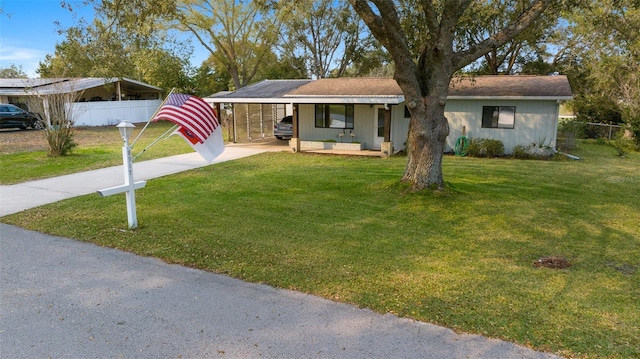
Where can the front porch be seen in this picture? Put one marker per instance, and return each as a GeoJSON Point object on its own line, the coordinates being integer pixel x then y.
{"type": "Point", "coordinates": [276, 145]}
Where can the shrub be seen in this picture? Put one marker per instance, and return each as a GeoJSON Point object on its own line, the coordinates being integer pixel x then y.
{"type": "Point", "coordinates": [621, 143]}
{"type": "Point", "coordinates": [474, 149]}
{"type": "Point", "coordinates": [485, 147]}
{"type": "Point", "coordinates": [568, 132]}
{"type": "Point", "coordinates": [494, 148]}
{"type": "Point", "coordinates": [532, 152]}
{"type": "Point", "coordinates": [58, 118]}
{"type": "Point", "coordinates": [521, 152]}
{"type": "Point", "coordinates": [60, 138]}
{"type": "Point", "coordinates": [601, 141]}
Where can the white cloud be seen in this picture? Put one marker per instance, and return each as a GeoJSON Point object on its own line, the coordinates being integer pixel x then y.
{"type": "Point", "coordinates": [26, 58]}
{"type": "Point", "coordinates": [11, 53]}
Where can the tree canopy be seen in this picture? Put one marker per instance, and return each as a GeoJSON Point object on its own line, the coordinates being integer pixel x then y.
{"type": "Point", "coordinates": [240, 35]}
{"type": "Point", "coordinates": [330, 38]}
{"type": "Point", "coordinates": [123, 41]}
{"type": "Point", "coordinates": [12, 71]}
{"type": "Point", "coordinates": [605, 60]}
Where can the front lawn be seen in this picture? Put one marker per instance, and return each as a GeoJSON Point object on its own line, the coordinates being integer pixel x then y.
{"type": "Point", "coordinates": [344, 228]}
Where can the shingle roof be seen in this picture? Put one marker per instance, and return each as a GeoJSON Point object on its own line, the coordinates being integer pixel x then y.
{"type": "Point", "coordinates": [349, 86]}
{"type": "Point", "coordinates": [511, 86]}
{"type": "Point", "coordinates": [480, 86]}
{"type": "Point", "coordinates": [386, 90]}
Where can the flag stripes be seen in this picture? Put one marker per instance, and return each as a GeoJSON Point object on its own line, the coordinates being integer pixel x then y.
{"type": "Point", "coordinates": [191, 113]}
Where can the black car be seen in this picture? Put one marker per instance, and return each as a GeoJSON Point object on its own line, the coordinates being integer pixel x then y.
{"type": "Point", "coordinates": [14, 117]}
{"type": "Point", "coordinates": [284, 128]}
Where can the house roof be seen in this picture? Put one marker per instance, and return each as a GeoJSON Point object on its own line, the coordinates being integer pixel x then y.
{"type": "Point", "coordinates": [367, 90]}
{"type": "Point", "coordinates": [386, 90]}
{"type": "Point", "coordinates": [512, 87]}
{"type": "Point", "coordinates": [349, 86]}
{"type": "Point", "coordinates": [267, 91]}
{"type": "Point", "coordinates": [20, 87]}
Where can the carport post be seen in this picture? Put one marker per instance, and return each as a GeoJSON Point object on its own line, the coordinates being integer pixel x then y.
{"type": "Point", "coordinates": [294, 142]}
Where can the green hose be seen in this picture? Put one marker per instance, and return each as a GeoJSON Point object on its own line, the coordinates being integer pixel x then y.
{"type": "Point", "coordinates": [462, 145]}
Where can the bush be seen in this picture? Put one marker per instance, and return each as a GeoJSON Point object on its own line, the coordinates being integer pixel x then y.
{"type": "Point", "coordinates": [568, 132]}
{"type": "Point", "coordinates": [622, 144]}
{"type": "Point", "coordinates": [521, 152]}
{"type": "Point", "coordinates": [58, 119]}
{"type": "Point", "coordinates": [532, 152]}
{"type": "Point", "coordinates": [485, 147]}
{"type": "Point", "coordinates": [60, 138]}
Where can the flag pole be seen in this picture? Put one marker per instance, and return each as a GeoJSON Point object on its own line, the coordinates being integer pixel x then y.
{"type": "Point", "coordinates": [154, 115]}
{"type": "Point", "coordinates": [155, 141]}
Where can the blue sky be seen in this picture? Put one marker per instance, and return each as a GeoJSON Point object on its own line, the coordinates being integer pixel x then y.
{"type": "Point", "coordinates": [28, 31]}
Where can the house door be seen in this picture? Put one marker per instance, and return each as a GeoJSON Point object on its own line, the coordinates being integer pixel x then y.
{"type": "Point", "coordinates": [378, 127]}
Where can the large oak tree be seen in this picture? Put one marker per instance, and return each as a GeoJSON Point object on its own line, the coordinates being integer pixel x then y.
{"type": "Point", "coordinates": [421, 36]}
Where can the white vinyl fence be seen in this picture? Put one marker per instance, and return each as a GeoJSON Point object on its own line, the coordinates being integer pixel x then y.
{"type": "Point", "coordinates": [110, 113]}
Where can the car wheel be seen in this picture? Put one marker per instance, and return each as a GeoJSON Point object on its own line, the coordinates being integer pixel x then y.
{"type": "Point", "coordinates": [37, 125]}
{"type": "Point", "coordinates": [278, 137]}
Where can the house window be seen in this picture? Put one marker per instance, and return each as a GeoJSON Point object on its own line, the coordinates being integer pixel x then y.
{"type": "Point", "coordinates": [498, 116]}
{"type": "Point", "coordinates": [334, 116]}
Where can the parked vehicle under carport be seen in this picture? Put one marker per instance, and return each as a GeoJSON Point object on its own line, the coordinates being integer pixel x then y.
{"type": "Point", "coordinates": [283, 130]}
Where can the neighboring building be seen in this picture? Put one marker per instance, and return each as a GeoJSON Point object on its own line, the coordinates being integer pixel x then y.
{"type": "Point", "coordinates": [371, 111]}
{"type": "Point", "coordinates": [100, 102]}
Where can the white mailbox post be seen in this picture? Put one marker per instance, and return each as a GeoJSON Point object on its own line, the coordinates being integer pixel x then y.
{"type": "Point", "coordinates": [129, 187]}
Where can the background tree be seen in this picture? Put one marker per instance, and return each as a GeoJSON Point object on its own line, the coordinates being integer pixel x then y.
{"type": "Point", "coordinates": [12, 72]}
{"type": "Point", "coordinates": [420, 35]}
{"type": "Point", "coordinates": [330, 38]}
{"type": "Point", "coordinates": [123, 40]}
{"type": "Point", "coordinates": [211, 77]}
{"type": "Point", "coordinates": [526, 48]}
{"type": "Point", "coordinates": [606, 62]}
{"type": "Point", "coordinates": [160, 68]}
{"type": "Point", "coordinates": [239, 34]}
{"type": "Point", "coordinates": [89, 51]}
{"type": "Point", "coordinates": [281, 67]}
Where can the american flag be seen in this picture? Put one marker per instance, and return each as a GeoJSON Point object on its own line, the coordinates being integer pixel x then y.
{"type": "Point", "coordinates": [194, 116]}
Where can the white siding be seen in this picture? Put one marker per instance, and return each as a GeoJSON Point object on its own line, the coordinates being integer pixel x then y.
{"type": "Point", "coordinates": [362, 126]}
{"type": "Point", "coordinates": [535, 121]}
{"type": "Point", "coordinates": [399, 128]}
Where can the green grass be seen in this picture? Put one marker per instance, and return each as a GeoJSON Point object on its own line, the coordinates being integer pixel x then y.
{"type": "Point", "coordinates": [104, 152]}
{"type": "Point", "coordinates": [344, 228]}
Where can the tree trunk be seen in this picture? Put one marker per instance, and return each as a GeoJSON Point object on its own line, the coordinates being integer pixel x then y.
{"type": "Point", "coordinates": [426, 89]}
{"type": "Point", "coordinates": [428, 131]}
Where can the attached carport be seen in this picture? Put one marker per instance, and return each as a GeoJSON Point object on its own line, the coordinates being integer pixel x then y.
{"type": "Point", "coordinates": [251, 112]}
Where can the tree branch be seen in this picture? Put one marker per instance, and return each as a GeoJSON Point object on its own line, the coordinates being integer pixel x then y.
{"type": "Point", "coordinates": [430, 15]}
{"type": "Point", "coordinates": [464, 58]}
